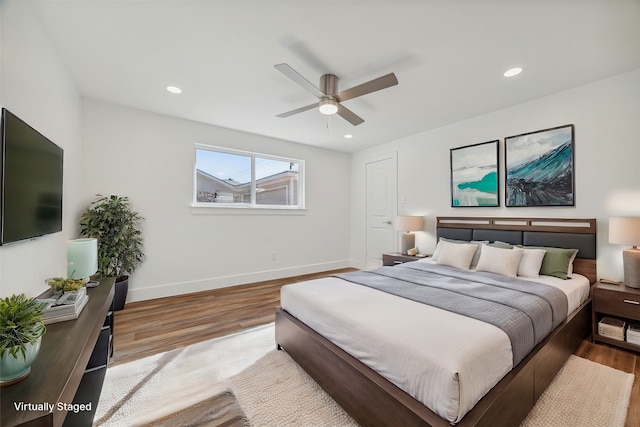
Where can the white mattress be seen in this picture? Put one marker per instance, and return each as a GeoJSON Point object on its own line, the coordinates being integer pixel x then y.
{"type": "Point", "coordinates": [445, 360]}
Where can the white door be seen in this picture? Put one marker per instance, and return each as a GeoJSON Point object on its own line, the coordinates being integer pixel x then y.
{"type": "Point", "coordinates": [381, 207]}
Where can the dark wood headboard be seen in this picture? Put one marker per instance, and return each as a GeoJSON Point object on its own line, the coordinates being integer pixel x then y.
{"type": "Point", "coordinates": [571, 233]}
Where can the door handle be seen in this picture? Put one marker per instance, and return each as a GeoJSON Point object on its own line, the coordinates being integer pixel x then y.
{"type": "Point", "coordinates": [387, 222]}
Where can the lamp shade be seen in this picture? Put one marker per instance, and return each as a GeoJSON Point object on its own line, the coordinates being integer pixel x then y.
{"type": "Point", "coordinates": [82, 258]}
{"type": "Point", "coordinates": [624, 230]}
{"type": "Point", "coordinates": [409, 223]}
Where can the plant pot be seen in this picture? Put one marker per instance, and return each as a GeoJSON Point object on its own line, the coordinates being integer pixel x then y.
{"type": "Point", "coordinates": [13, 370]}
{"type": "Point", "coordinates": [120, 297]}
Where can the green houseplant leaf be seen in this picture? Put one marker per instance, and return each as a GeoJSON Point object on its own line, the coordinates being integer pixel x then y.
{"type": "Point", "coordinates": [20, 324]}
{"type": "Point", "coordinates": [111, 220]}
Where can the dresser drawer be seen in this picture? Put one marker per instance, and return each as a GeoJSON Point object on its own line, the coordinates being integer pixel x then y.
{"type": "Point", "coordinates": [617, 303]}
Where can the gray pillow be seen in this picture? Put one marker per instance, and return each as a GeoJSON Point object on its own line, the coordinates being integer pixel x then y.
{"type": "Point", "coordinates": [501, 245]}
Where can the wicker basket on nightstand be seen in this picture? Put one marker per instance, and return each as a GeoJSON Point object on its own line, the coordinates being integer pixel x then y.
{"type": "Point", "coordinates": [612, 328]}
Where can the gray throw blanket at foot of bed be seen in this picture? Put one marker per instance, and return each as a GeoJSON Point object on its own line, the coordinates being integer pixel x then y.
{"type": "Point", "coordinates": [526, 311]}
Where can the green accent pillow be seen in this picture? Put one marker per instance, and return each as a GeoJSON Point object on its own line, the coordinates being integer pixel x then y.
{"type": "Point", "coordinates": [556, 261]}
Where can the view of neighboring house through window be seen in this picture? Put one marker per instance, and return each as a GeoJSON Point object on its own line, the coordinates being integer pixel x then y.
{"type": "Point", "coordinates": [233, 177]}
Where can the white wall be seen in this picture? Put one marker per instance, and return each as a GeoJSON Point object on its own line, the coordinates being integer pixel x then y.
{"type": "Point", "coordinates": [36, 87]}
{"type": "Point", "coordinates": [149, 158]}
{"type": "Point", "coordinates": [110, 149]}
{"type": "Point", "coordinates": [606, 115]}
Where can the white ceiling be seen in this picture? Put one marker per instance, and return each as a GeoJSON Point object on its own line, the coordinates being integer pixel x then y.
{"type": "Point", "coordinates": [449, 57]}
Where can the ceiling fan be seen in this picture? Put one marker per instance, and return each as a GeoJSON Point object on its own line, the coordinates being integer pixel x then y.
{"type": "Point", "coordinates": [330, 101]}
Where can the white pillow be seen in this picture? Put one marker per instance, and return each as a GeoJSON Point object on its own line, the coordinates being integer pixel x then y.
{"type": "Point", "coordinates": [573, 258]}
{"type": "Point", "coordinates": [476, 257]}
{"type": "Point", "coordinates": [436, 252]}
{"type": "Point", "coordinates": [500, 261]}
{"type": "Point", "coordinates": [531, 262]}
{"type": "Point", "coordinates": [458, 255]}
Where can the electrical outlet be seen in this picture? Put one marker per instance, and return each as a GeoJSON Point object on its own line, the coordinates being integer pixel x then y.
{"type": "Point", "coordinates": [274, 256]}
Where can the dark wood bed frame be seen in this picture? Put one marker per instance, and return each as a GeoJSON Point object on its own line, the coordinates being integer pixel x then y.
{"type": "Point", "coordinates": [374, 401]}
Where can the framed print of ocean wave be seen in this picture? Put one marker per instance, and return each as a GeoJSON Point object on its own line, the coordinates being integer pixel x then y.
{"type": "Point", "coordinates": [474, 175]}
{"type": "Point", "coordinates": [540, 168]}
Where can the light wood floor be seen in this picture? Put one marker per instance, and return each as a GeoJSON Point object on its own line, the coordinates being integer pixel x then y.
{"type": "Point", "coordinates": [149, 327]}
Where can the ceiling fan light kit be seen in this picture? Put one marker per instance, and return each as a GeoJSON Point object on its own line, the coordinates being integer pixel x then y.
{"type": "Point", "coordinates": [329, 97]}
{"type": "Point", "coordinates": [328, 106]}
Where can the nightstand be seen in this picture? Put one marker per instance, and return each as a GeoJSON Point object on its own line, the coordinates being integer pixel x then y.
{"type": "Point", "coordinates": [617, 301]}
{"type": "Point", "coordinates": [398, 258]}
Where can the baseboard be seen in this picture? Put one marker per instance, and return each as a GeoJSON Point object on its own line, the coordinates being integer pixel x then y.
{"type": "Point", "coordinates": [172, 289]}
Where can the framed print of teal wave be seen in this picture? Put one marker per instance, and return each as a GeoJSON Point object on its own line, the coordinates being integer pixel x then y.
{"type": "Point", "coordinates": [474, 175]}
{"type": "Point", "coordinates": [540, 168]}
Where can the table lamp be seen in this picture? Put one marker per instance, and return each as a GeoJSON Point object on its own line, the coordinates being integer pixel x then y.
{"type": "Point", "coordinates": [408, 224]}
{"type": "Point", "coordinates": [626, 231]}
{"type": "Point", "coordinates": [82, 259]}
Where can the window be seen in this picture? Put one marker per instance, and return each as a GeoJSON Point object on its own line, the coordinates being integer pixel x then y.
{"type": "Point", "coordinates": [228, 178]}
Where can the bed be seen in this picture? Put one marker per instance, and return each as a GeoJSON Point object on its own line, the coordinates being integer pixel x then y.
{"type": "Point", "coordinates": [365, 368]}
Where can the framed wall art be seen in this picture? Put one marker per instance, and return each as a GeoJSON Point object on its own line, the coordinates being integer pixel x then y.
{"type": "Point", "coordinates": [474, 175]}
{"type": "Point", "coordinates": [540, 168]}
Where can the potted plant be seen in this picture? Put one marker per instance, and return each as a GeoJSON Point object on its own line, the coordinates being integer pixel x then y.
{"type": "Point", "coordinates": [21, 331]}
{"type": "Point", "coordinates": [111, 220]}
{"type": "Point", "coordinates": [62, 285]}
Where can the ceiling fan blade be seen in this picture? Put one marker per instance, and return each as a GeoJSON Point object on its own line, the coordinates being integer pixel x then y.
{"type": "Point", "coordinates": [368, 87]}
{"type": "Point", "coordinates": [298, 110]}
{"type": "Point", "coordinates": [297, 77]}
{"type": "Point", "coordinates": [349, 115]}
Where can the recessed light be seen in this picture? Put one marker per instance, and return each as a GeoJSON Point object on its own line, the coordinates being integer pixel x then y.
{"type": "Point", "coordinates": [348, 136]}
{"type": "Point", "coordinates": [513, 72]}
{"type": "Point", "coordinates": [174, 89]}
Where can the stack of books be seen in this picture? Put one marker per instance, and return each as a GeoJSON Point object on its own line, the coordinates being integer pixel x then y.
{"type": "Point", "coordinates": [68, 306]}
{"type": "Point", "coordinates": [633, 333]}
{"type": "Point", "coordinates": [612, 328]}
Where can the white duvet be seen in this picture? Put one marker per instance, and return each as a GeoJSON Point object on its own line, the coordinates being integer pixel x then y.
{"type": "Point", "coordinates": [445, 360]}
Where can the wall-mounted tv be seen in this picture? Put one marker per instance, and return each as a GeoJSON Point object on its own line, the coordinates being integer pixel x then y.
{"type": "Point", "coordinates": [31, 182]}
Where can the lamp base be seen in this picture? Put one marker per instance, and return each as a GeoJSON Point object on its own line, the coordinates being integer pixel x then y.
{"type": "Point", "coordinates": [631, 262]}
{"type": "Point", "coordinates": [408, 242]}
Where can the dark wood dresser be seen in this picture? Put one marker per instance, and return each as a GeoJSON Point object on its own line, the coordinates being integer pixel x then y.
{"type": "Point", "coordinates": [69, 369]}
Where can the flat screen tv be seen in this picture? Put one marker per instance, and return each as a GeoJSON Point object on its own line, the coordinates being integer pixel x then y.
{"type": "Point", "coordinates": [31, 186]}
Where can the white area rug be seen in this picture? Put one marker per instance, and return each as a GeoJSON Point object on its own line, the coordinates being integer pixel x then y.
{"type": "Point", "coordinates": [273, 390]}
{"type": "Point", "coordinates": [141, 391]}
{"type": "Point", "coordinates": [585, 394]}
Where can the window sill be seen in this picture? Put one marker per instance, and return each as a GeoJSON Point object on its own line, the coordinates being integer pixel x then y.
{"type": "Point", "coordinates": [245, 210]}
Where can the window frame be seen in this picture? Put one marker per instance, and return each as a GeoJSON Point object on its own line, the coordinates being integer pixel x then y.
{"type": "Point", "coordinates": [252, 206]}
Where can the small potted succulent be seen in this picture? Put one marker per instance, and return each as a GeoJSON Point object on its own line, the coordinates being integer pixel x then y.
{"type": "Point", "coordinates": [21, 331]}
{"type": "Point", "coordinates": [62, 285]}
